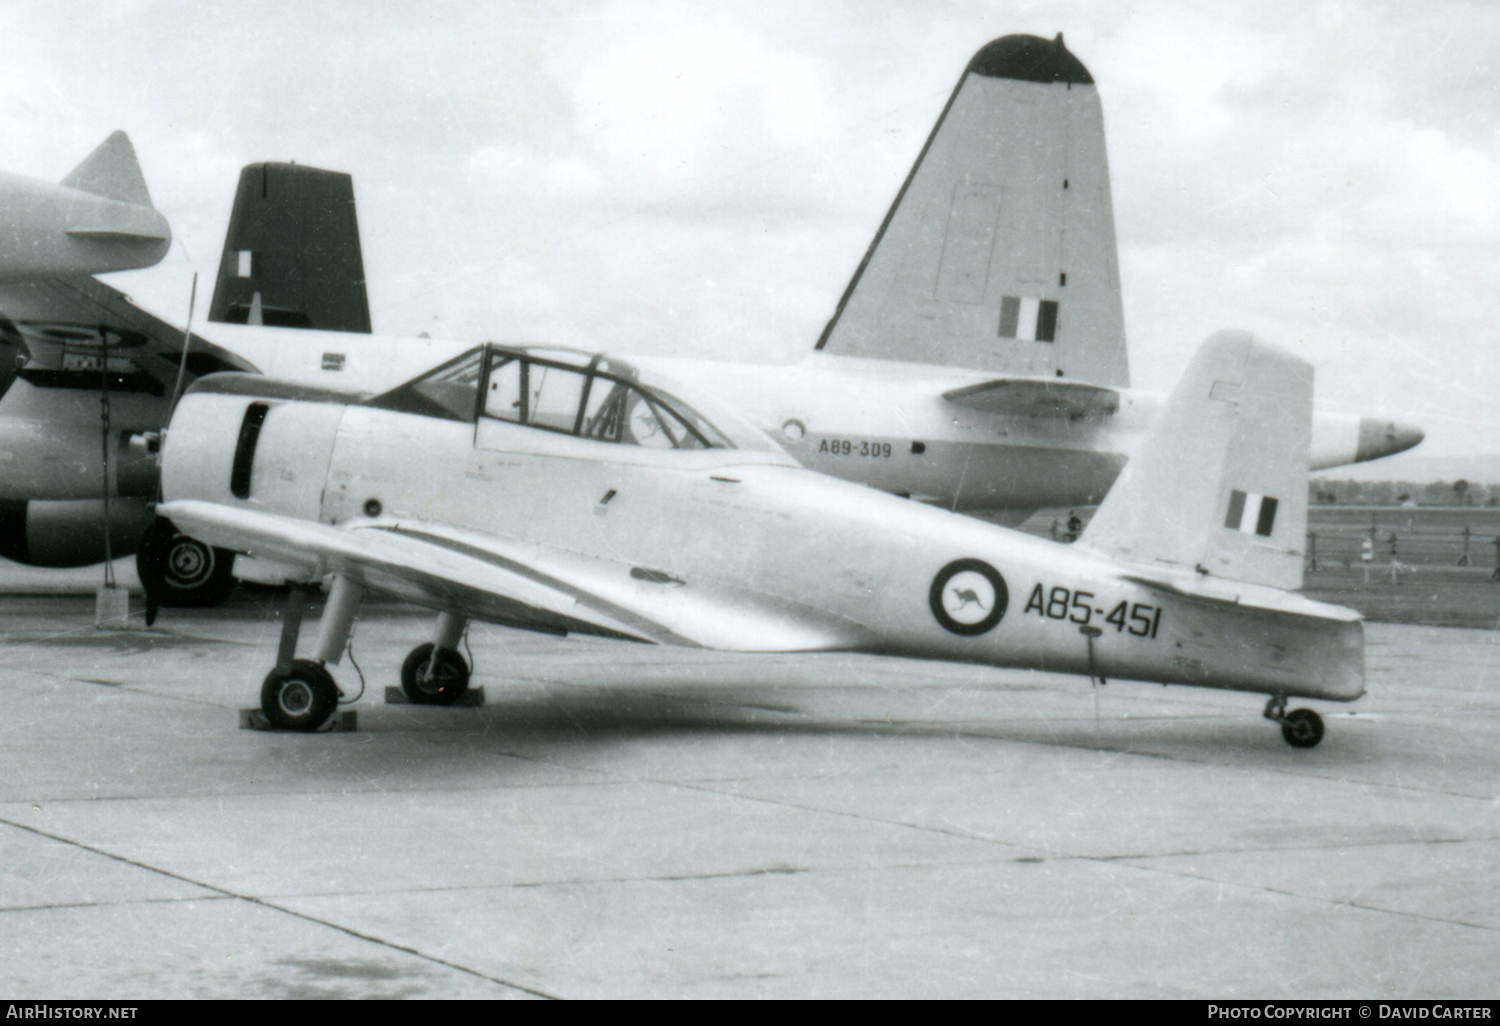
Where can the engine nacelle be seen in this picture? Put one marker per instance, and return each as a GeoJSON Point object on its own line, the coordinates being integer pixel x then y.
{"type": "Point", "coordinates": [69, 532]}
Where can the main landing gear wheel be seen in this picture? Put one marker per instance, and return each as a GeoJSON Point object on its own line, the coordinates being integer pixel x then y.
{"type": "Point", "coordinates": [180, 571]}
{"type": "Point", "coordinates": [1302, 728]}
{"type": "Point", "coordinates": [434, 676]}
{"type": "Point", "coordinates": [301, 698]}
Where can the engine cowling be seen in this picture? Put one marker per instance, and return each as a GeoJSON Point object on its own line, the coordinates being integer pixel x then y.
{"type": "Point", "coordinates": [70, 532]}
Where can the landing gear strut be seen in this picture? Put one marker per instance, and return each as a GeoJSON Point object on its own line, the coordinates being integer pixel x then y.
{"type": "Point", "coordinates": [300, 694]}
{"type": "Point", "coordinates": [1302, 728]}
{"type": "Point", "coordinates": [434, 673]}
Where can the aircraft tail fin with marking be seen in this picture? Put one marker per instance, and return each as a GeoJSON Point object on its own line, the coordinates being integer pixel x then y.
{"type": "Point", "coordinates": [999, 251]}
{"type": "Point", "coordinates": [292, 253]}
{"type": "Point", "coordinates": [1219, 483]}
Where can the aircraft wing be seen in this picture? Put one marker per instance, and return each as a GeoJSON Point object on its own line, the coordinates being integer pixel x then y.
{"type": "Point", "coordinates": [1037, 397]}
{"type": "Point", "coordinates": [61, 321]}
{"type": "Point", "coordinates": [521, 584]}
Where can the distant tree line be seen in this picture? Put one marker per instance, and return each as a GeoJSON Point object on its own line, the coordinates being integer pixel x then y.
{"type": "Point", "coordinates": [1401, 493]}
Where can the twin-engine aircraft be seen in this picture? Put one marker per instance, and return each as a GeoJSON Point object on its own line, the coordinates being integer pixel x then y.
{"type": "Point", "coordinates": [77, 355]}
{"type": "Point", "coordinates": [555, 491]}
{"type": "Point", "coordinates": [977, 359]}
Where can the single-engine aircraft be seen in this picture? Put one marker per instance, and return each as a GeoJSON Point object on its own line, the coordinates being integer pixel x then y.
{"type": "Point", "coordinates": [557, 491]}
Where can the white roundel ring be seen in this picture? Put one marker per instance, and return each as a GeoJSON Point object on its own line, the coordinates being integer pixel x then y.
{"type": "Point", "coordinates": [968, 597]}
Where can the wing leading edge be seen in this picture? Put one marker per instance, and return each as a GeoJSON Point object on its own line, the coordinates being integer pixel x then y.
{"type": "Point", "coordinates": [521, 584]}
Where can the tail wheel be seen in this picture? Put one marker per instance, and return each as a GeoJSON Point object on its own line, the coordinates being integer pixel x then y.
{"type": "Point", "coordinates": [1302, 728]}
{"type": "Point", "coordinates": [434, 676]}
{"type": "Point", "coordinates": [180, 571]}
{"type": "Point", "coordinates": [301, 698]}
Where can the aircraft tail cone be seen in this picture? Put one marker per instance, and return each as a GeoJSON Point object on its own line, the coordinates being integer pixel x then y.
{"type": "Point", "coordinates": [1379, 438]}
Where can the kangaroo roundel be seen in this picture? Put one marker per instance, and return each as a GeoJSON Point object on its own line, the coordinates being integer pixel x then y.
{"type": "Point", "coordinates": [968, 596]}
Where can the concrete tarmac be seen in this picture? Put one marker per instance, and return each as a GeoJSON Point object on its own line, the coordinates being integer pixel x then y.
{"type": "Point", "coordinates": [630, 821]}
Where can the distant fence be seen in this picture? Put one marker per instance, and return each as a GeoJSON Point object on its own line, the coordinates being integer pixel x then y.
{"type": "Point", "coordinates": [1388, 540]}
{"type": "Point", "coordinates": [1387, 547]}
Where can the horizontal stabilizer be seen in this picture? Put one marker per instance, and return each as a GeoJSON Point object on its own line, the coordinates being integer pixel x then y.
{"type": "Point", "coordinates": [1219, 484]}
{"type": "Point", "coordinates": [1037, 397]}
{"type": "Point", "coordinates": [1237, 593]}
{"type": "Point", "coordinates": [118, 222]}
{"type": "Point", "coordinates": [111, 171]}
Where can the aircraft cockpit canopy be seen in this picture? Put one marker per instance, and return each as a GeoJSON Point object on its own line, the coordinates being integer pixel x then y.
{"type": "Point", "coordinates": [590, 396]}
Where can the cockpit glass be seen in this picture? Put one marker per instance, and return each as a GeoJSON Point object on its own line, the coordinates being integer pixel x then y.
{"type": "Point", "coordinates": [506, 395]}
{"type": "Point", "coordinates": [596, 399]}
{"type": "Point", "coordinates": [623, 414]}
{"type": "Point", "coordinates": [451, 391]}
{"type": "Point", "coordinates": [554, 394]}
{"type": "Point", "coordinates": [593, 403]}
{"type": "Point", "coordinates": [711, 436]}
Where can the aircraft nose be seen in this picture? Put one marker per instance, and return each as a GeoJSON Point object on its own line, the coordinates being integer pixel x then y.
{"type": "Point", "coordinates": [1379, 438]}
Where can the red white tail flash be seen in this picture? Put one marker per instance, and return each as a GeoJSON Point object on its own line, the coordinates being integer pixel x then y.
{"type": "Point", "coordinates": [1251, 513]}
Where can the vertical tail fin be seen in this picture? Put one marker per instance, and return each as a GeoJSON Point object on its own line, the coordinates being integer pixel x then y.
{"type": "Point", "coordinates": [999, 252]}
{"type": "Point", "coordinates": [111, 171]}
{"type": "Point", "coordinates": [1219, 483]}
{"type": "Point", "coordinates": [293, 239]}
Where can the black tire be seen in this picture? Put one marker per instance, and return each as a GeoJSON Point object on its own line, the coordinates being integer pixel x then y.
{"type": "Point", "coordinates": [302, 698]}
{"type": "Point", "coordinates": [180, 571]}
{"type": "Point", "coordinates": [450, 677]}
{"type": "Point", "coordinates": [1302, 728]}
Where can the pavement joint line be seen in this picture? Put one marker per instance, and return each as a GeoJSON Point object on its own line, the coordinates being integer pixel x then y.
{"type": "Point", "coordinates": [1052, 853]}
{"type": "Point", "coordinates": [272, 906]}
{"type": "Point", "coordinates": [375, 789]}
{"type": "Point", "coordinates": [1335, 902]}
{"type": "Point", "coordinates": [1209, 852]}
{"type": "Point", "coordinates": [1104, 860]}
{"type": "Point", "coordinates": [16, 645]}
{"type": "Point", "coordinates": [134, 689]}
{"type": "Point", "coordinates": [712, 790]}
{"type": "Point", "coordinates": [1169, 757]}
{"type": "Point", "coordinates": [1107, 749]}
{"type": "Point", "coordinates": [113, 904]}
{"type": "Point", "coordinates": [673, 878]}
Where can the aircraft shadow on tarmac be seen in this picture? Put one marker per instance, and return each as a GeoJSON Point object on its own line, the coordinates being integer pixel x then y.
{"type": "Point", "coordinates": [565, 716]}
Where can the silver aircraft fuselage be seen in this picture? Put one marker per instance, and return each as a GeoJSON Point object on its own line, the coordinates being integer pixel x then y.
{"type": "Point", "coordinates": [733, 548]}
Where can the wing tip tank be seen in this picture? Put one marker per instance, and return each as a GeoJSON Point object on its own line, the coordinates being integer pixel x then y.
{"type": "Point", "coordinates": [1030, 59]}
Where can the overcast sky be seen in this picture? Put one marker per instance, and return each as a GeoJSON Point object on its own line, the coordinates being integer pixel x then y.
{"type": "Point", "coordinates": [702, 178]}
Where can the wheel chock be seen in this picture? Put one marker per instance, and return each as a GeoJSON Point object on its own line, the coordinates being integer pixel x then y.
{"type": "Point", "coordinates": [471, 697]}
{"type": "Point", "coordinates": [341, 720]}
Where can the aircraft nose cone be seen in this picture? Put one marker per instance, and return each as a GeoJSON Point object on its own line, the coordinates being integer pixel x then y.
{"type": "Point", "coordinates": [1379, 438]}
